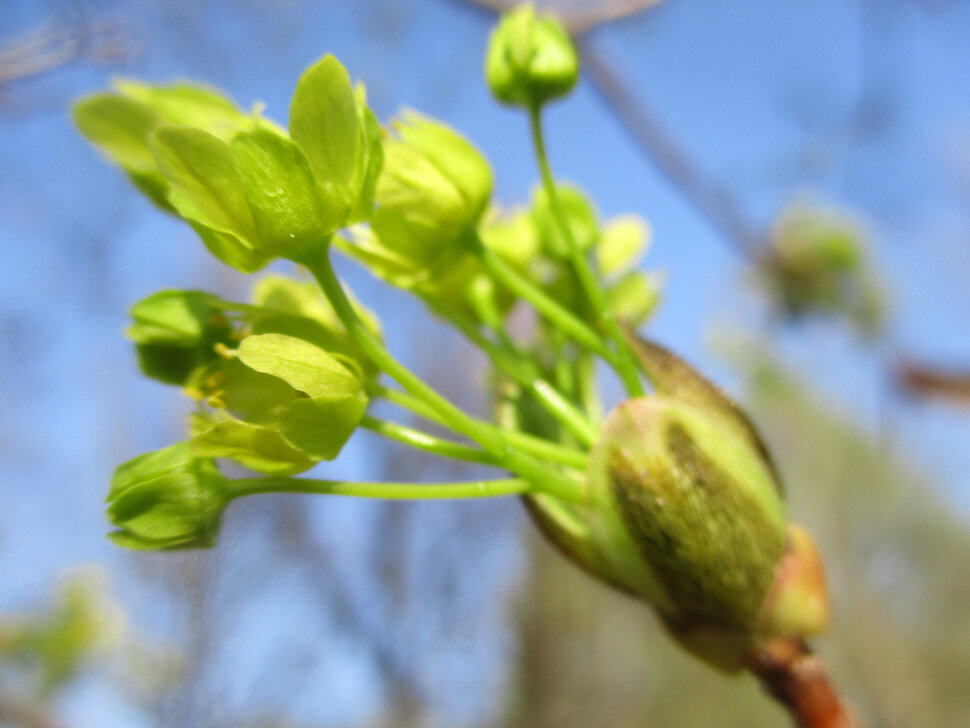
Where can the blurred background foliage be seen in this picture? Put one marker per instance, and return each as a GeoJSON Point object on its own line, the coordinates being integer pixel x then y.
{"type": "Point", "coordinates": [837, 319]}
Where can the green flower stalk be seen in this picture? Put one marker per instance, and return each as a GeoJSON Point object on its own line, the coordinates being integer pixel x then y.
{"type": "Point", "coordinates": [529, 61]}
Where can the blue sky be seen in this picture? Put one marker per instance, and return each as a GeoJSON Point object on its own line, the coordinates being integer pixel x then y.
{"type": "Point", "coordinates": [765, 95]}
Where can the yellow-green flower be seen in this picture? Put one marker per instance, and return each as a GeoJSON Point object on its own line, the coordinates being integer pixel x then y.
{"type": "Point", "coordinates": [531, 59]}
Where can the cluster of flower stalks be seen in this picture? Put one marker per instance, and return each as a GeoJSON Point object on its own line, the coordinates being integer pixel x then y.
{"type": "Point", "coordinates": [671, 496]}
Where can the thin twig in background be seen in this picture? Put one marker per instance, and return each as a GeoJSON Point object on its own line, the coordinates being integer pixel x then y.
{"type": "Point", "coordinates": [711, 201]}
{"type": "Point", "coordinates": [577, 16]}
{"type": "Point", "coordinates": [50, 47]}
{"type": "Point", "coordinates": [927, 381]}
{"type": "Point", "coordinates": [298, 540]}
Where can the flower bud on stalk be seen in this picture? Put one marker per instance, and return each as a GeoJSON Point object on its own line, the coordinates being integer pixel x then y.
{"type": "Point", "coordinates": [167, 499]}
{"type": "Point", "coordinates": [530, 60]}
{"type": "Point", "coordinates": [683, 508]}
{"type": "Point", "coordinates": [432, 194]}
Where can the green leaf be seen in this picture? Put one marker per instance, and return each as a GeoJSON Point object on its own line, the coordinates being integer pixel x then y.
{"type": "Point", "coordinates": [324, 122]}
{"type": "Point", "coordinates": [622, 244]}
{"type": "Point", "coordinates": [120, 124]}
{"type": "Point", "coordinates": [301, 310]}
{"type": "Point", "coordinates": [320, 426]}
{"type": "Point", "coordinates": [300, 364]}
{"type": "Point", "coordinates": [282, 193]}
{"type": "Point", "coordinates": [298, 327]}
{"type": "Point", "coordinates": [230, 249]}
{"type": "Point", "coordinates": [252, 395]}
{"type": "Point", "coordinates": [155, 187]}
{"type": "Point", "coordinates": [336, 341]}
{"type": "Point", "coordinates": [153, 464]}
{"type": "Point", "coordinates": [258, 448]}
{"type": "Point", "coordinates": [188, 105]}
{"type": "Point", "coordinates": [370, 161]}
{"type": "Point", "coordinates": [120, 128]}
{"type": "Point", "coordinates": [206, 188]}
{"type": "Point", "coordinates": [167, 364]}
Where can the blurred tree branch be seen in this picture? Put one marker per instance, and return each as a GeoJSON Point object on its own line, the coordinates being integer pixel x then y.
{"type": "Point", "coordinates": [923, 380]}
{"type": "Point", "coordinates": [578, 16]}
{"type": "Point", "coordinates": [49, 47]}
{"type": "Point", "coordinates": [709, 199]}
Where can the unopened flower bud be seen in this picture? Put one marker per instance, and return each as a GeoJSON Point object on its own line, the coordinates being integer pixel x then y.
{"type": "Point", "coordinates": [167, 499]}
{"type": "Point", "coordinates": [683, 508]}
{"type": "Point", "coordinates": [530, 60]}
{"type": "Point", "coordinates": [433, 190]}
{"type": "Point", "coordinates": [697, 504]}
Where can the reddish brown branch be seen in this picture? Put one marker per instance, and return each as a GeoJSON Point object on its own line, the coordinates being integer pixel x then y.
{"type": "Point", "coordinates": [926, 381]}
{"type": "Point", "coordinates": [578, 16]}
{"type": "Point", "coordinates": [797, 679]}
